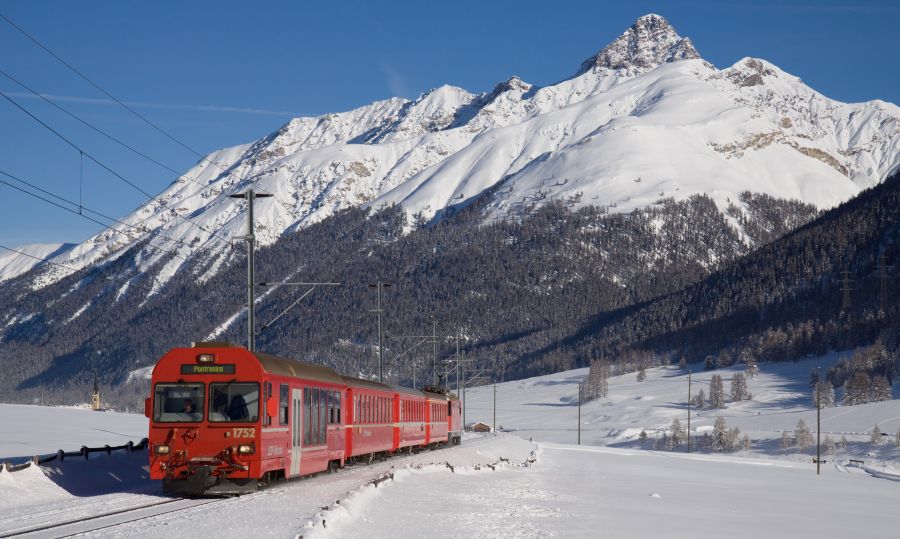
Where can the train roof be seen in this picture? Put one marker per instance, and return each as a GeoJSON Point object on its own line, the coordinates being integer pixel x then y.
{"type": "Point", "coordinates": [321, 373]}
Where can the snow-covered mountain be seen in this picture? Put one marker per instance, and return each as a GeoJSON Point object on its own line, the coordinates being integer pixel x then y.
{"type": "Point", "coordinates": [13, 264]}
{"type": "Point", "coordinates": [645, 118]}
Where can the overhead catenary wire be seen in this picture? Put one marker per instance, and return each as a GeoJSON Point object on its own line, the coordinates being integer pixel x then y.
{"type": "Point", "coordinates": [47, 260]}
{"type": "Point", "coordinates": [107, 94]}
{"type": "Point", "coordinates": [81, 207]}
{"type": "Point", "coordinates": [104, 225]}
{"type": "Point", "coordinates": [95, 128]}
{"type": "Point", "coordinates": [101, 164]}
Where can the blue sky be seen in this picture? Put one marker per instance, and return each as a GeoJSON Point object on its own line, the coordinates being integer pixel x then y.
{"type": "Point", "coordinates": [217, 74]}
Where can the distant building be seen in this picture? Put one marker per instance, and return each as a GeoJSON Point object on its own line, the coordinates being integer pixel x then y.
{"type": "Point", "coordinates": [479, 427]}
{"type": "Point", "coordinates": [95, 398]}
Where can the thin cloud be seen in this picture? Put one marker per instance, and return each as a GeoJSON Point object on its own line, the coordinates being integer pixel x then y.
{"type": "Point", "coordinates": [164, 106]}
{"type": "Point", "coordinates": [395, 81]}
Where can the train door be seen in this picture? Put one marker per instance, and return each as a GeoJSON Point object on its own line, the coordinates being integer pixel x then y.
{"type": "Point", "coordinates": [296, 430]}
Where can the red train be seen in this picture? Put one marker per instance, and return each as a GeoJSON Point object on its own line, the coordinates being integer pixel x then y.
{"type": "Point", "coordinates": [224, 420]}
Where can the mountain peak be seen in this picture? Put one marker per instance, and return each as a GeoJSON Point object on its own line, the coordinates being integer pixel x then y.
{"type": "Point", "coordinates": [650, 42]}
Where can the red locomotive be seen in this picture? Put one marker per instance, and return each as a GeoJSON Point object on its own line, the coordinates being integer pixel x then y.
{"type": "Point", "coordinates": [224, 420]}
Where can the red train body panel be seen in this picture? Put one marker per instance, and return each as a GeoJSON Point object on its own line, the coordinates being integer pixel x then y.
{"type": "Point", "coordinates": [222, 419]}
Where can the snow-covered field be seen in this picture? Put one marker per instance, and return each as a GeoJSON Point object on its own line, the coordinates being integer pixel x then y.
{"type": "Point", "coordinates": [545, 409]}
{"type": "Point", "coordinates": [26, 431]}
{"type": "Point", "coordinates": [501, 485]}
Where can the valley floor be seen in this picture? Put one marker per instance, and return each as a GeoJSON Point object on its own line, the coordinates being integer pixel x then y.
{"type": "Point", "coordinates": [578, 491]}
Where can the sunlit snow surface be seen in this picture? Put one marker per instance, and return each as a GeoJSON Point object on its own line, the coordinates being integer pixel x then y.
{"type": "Point", "coordinates": [568, 491]}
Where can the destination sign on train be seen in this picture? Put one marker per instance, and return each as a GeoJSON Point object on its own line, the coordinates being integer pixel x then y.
{"type": "Point", "coordinates": [218, 368]}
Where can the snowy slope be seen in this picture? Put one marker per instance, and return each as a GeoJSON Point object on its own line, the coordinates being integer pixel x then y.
{"type": "Point", "coordinates": [13, 264]}
{"type": "Point", "coordinates": [545, 408]}
{"type": "Point", "coordinates": [643, 119]}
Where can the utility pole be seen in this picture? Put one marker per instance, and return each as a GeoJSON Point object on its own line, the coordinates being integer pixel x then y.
{"type": "Point", "coordinates": [494, 424]}
{"type": "Point", "coordinates": [250, 195]}
{"type": "Point", "coordinates": [380, 286]}
{"type": "Point", "coordinates": [434, 356]}
{"type": "Point", "coordinates": [882, 288]}
{"type": "Point", "coordinates": [689, 412]}
{"type": "Point", "coordinates": [579, 411]}
{"type": "Point", "coordinates": [818, 419]}
{"type": "Point", "coordinates": [845, 288]}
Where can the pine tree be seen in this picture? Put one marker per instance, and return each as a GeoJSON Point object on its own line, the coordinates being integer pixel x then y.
{"type": "Point", "coordinates": [678, 434]}
{"type": "Point", "coordinates": [738, 387]}
{"type": "Point", "coordinates": [752, 367]}
{"type": "Point", "coordinates": [642, 372]}
{"type": "Point", "coordinates": [699, 400]}
{"type": "Point", "coordinates": [897, 438]}
{"type": "Point", "coordinates": [642, 437]}
{"type": "Point", "coordinates": [661, 443]}
{"type": "Point", "coordinates": [827, 394]}
{"type": "Point", "coordinates": [857, 389]}
{"type": "Point", "coordinates": [880, 390]}
{"type": "Point", "coordinates": [709, 364]}
{"type": "Point", "coordinates": [716, 392]}
{"type": "Point", "coordinates": [786, 440]}
{"type": "Point", "coordinates": [876, 435]}
{"type": "Point", "coordinates": [842, 444]}
{"type": "Point", "coordinates": [733, 439]}
{"type": "Point", "coordinates": [828, 445]}
{"type": "Point", "coordinates": [803, 436]}
{"type": "Point", "coordinates": [682, 363]}
{"type": "Point", "coordinates": [720, 435]}
{"type": "Point", "coordinates": [745, 443]}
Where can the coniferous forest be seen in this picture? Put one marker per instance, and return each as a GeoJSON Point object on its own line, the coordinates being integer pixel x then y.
{"type": "Point", "coordinates": [556, 289]}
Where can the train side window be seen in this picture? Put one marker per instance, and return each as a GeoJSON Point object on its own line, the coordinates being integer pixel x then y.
{"type": "Point", "coordinates": [314, 417]}
{"type": "Point", "coordinates": [284, 396]}
{"type": "Point", "coordinates": [337, 406]}
{"type": "Point", "coordinates": [307, 413]}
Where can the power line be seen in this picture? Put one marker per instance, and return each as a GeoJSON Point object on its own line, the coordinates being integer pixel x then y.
{"type": "Point", "coordinates": [85, 122]}
{"type": "Point", "coordinates": [104, 225]}
{"type": "Point", "coordinates": [47, 260]}
{"type": "Point", "coordinates": [82, 207]}
{"type": "Point", "coordinates": [98, 130]}
{"type": "Point", "coordinates": [107, 94]}
{"type": "Point", "coordinates": [95, 160]}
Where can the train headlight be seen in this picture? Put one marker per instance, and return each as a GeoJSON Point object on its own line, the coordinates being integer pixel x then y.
{"type": "Point", "coordinates": [246, 449]}
{"type": "Point", "coordinates": [206, 358]}
{"type": "Point", "coordinates": [161, 449]}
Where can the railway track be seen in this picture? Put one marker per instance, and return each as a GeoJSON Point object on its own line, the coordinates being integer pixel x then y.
{"type": "Point", "coordinates": [102, 521]}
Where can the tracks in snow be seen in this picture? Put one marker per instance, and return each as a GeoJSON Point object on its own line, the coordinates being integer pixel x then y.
{"type": "Point", "coordinates": [102, 521]}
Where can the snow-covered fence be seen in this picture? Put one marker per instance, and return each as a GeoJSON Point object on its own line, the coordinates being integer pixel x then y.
{"type": "Point", "coordinates": [83, 452]}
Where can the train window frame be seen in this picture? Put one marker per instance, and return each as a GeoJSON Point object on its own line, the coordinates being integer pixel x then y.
{"type": "Point", "coordinates": [259, 398]}
{"type": "Point", "coordinates": [284, 403]}
{"type": "Point", "coordinates": [157, 413]}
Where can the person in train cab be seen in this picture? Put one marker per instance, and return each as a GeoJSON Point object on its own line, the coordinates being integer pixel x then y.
{"type": "Point", "coordinates": [188, 407]}
{"type": "Point", "coordinates": [220, 406]}
{"type": "Point", "coordinates": [237, 410]}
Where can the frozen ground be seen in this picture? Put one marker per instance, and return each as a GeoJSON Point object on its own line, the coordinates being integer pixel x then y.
{"type": "Point", "coordinates": [545, 409]}
{"type": "Point", "coordinates": [26, 431]}
{"type": "Point", "coordinates": [582, 491]}
{"type": "Point", "coordinates": [484, 489]}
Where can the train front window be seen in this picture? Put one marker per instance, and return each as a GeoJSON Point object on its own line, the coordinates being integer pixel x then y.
{"type": "Point", "coordinates": [234, 402]}
{"type": "Point", "coordinates": [178, 403]}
